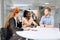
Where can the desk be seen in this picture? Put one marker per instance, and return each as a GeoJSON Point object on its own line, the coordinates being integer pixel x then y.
{"type": "Point", "coordinates": [41, 33]}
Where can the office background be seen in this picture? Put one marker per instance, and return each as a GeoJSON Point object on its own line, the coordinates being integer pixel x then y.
{"type": "Point", "coordinates": [5, 7]}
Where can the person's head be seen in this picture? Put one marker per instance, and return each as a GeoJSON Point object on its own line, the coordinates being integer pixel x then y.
{"type": "Point", "coordinates": [16, 12]}
{"type": "Point", "coordinates": [27, 14]}
{"type": "Point", "coordinates": [47, 11]}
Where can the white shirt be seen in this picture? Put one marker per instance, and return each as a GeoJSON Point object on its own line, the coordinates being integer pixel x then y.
{"type": "Point", "coordinates": [15, 21]}
{"type": "Point", "coordinates": [26, 22]}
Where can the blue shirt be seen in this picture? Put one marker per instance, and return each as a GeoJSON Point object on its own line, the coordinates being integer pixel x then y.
{"type": "Point", "coordinates": [49, 20]}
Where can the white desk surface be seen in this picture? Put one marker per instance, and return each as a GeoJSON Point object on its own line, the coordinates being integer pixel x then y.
{"type": "Point", "coordinates": [40, 33]}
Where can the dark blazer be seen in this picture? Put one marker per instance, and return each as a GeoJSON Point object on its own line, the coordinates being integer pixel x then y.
{"type": "Point", "coordinates": [12, 23]}
{"type": "Point", "coordinates": [11, 29]}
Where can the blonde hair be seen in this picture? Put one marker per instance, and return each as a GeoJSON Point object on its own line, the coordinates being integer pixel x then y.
{"type": "Point", "coordinates": [11, 15]}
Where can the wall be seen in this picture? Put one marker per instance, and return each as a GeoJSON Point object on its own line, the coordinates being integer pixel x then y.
{"type": "Point", "coordinates": [0, 14]}
{"type": "Point", "coordinates": [5, 11]}
{"type": "Point", "coordinates": [57, 17]}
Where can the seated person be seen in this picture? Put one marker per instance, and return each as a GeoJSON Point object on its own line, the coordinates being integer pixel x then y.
{"type": "Point", "coordinates": [11, 23]}
{"type": "Point", "coordinates": [27, 21]}
{"type": "Point", "coordinates": [47, 20]}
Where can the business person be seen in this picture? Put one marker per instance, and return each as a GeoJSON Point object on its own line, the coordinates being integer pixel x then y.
{"type": "Point", "coordinates": [47, 20]}
{"type": "Point", "coordinates": [27, 21]}
{"type": "Point", "coordinates": [11, 22]}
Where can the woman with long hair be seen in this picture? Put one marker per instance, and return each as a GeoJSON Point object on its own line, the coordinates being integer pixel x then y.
{"type": "Point", "coordinates": [11, 23]}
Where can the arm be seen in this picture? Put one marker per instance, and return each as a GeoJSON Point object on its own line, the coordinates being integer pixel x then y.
{"type": "Point", "coordinates": [12, 25]}
{"type": "Point", "coordinates": [41, 22]}
{"type": "Point", "coordinates": [35, 24]}
{"type": "Point", "coordinates": [52, 21]}
{"type": "Point", "coordinates": [26, 24]}
{"type": "Point", "coordinates": [51, 25]}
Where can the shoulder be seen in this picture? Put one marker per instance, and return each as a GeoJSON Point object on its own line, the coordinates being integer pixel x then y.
{"type": "Point", "coordinates": [23, 19]}
{"type": "Point", "coordinates": [31, 18]}
{"type": "Point", "coordinates": [11, 19]}
{"type": "Point", "coordinates": [43, 17]}
{"type": "Point", "coordinates": [51, 16]}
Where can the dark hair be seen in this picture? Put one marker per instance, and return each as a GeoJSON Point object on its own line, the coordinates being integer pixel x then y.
{"type": "Point", "coordinates": [25, 12]}
{"type": "Point", "coordinates": [49, 9]}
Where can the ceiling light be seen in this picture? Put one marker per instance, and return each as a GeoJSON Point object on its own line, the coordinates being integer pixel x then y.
{"type": "Point", "coordinates": [46, 3]}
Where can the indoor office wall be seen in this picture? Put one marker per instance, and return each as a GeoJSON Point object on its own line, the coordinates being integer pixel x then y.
{"type": "Point", "coordinates": [57, 18]}
{"type": "Point", "coordinates": [7, 8]}
{"type": "Point", "coordinates": [0, 14]}
{"type": "Point", "coordinates": [57, 14]}
{"type": "Point", "coordinates": [8, 3]}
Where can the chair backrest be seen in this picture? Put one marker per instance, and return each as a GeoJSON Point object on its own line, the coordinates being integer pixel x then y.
{"type": "Point", "coordinates": [3, 33]}
{"type": "Point", "coordinates": [59, 26]}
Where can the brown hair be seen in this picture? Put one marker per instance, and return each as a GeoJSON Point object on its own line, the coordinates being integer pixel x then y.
{"type": "Point", "coordinates": [49, 9]}
{"type": "Point", "coordinates": [12, 14]}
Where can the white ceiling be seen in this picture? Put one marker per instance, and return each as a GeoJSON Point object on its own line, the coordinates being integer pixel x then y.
{"type": "Point", "coordinates": [37, 2]}
{"type": "Point", "coordinates": [34, 2]}
{"type": "Point", "coordinates": [52, 3]}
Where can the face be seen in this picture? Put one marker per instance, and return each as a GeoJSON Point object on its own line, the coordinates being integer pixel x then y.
{"type": "Point", "coordinates": [28, 15]}
{"type": "Point", "coordinates": [46, 12]}
{"type": "Point", "coordinates": [17, 15]}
